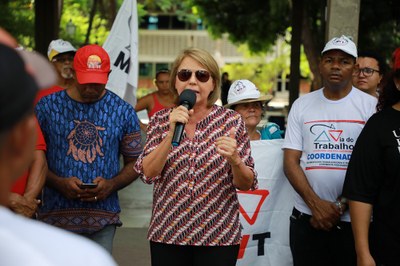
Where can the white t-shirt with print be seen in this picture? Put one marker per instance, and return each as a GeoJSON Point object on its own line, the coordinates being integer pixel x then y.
{"type": "Point", "coordinates": [326, 132]}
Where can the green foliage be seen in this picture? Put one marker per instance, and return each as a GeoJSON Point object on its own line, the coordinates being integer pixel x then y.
{"type": "Point", "coordinates": [257, 23]}
{"type": "Point", "coordinates": [264, 67]}
{"type": "Point", "coordinates": [78, 13]}
{"type": "Point", "coordinates": [379, 28]}
{"type": "Point", "coordinates": [17, 17]}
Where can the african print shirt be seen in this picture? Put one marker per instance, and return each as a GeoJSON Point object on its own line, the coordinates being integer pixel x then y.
{"type": "Point", "coordinates": [195, 201]}
{"type": "Point", "coordinates": [84, 140]}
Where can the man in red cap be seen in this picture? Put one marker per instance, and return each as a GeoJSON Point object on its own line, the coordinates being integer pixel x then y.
{"type": "Point", "coordinates": [25, 241]}
{"type": "Point", "coordinates": [87, 128]}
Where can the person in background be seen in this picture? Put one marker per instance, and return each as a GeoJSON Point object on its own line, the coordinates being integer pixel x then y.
{"type": "Point", "coordinates": [25, 190]}
{"type": "Point", "coordinates": [61, 54]}
{"type": "Point", "coordinates": [323, 127]}
{"type": "Point", "coordinates": [245, 98]}
{"type": "Point", "coordinates": [372, 180]}
{"type": "Point", "coordinates": [85, 136]}
{"type": "Point", "coordinates": [158, 100]}
{"type": "Point", "coordinates": [195, 217]}
{"type": "Point", "coordinates": [25, 241]}
{"type": "Point", "coordinates": [225, 85]}
{"type": "Point", "coordinates": [395, 54]}
{"type": "Point", "coordinates": [369, 72]}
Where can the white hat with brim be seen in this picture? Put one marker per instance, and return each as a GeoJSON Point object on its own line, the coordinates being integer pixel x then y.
{"type": "Point", "coordinates": [244, 91]}
{"type": "Point", "coordinates": [59, 46]}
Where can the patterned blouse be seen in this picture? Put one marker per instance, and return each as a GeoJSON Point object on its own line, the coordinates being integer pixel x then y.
{"type": "Point", "coordinates": [194, 199]}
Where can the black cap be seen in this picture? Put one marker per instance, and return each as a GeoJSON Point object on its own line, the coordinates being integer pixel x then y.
{"type": "Point", "coordinates": [17, 88]}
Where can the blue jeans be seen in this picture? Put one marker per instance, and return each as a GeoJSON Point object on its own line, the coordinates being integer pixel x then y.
{"type": "Point", "coordinates": [312, 247]}
{"type": "Point", "coordinates": [104, 237]}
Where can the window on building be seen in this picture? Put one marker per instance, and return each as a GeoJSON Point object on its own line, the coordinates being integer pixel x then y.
{"type": "Point", "coordinates": [145, 69]}
{"type": "Point", "coordinates": [152, 23]}
{"type": "Point", "coordinates": [169, 22]}
{"type": "Point", "coordinates": [149, 70]}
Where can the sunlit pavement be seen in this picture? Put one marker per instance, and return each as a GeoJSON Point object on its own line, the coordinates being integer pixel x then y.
{"type": "Point", "coordinates": [130, 244]}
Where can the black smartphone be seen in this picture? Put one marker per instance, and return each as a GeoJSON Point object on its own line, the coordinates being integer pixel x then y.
{"type": "Point", "coordinates": [88, 185]}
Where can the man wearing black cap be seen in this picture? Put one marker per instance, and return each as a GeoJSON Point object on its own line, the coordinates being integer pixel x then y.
{"type": "Point", "coordinates": [323, 127]}
{"type": "Point", "coordinates": [24, 241]}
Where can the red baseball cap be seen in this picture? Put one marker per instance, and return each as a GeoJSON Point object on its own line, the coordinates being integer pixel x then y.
{"type": "Point", "coordinates": [91, 64]}
{"type": "Point", "coordinates": [396, 59]}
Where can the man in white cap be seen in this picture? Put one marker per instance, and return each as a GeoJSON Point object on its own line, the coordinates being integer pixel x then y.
{"type": "Point", "coordinates": [61, 53]}
{"type": "Point", "coordinates": [322, 129]}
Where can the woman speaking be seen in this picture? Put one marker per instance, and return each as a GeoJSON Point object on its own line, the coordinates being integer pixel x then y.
{"type": "Point", "coordinates": [195, 217]}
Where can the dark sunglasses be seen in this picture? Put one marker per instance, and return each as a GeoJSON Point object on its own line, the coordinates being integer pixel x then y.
{"type": "Point", "coordinates": [186, 74]}
{"type": "Point", "coordinates": [63, 59]}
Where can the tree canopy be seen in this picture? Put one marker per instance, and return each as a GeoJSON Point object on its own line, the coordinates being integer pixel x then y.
{"type": "Point", "coordinates": [258, 24]}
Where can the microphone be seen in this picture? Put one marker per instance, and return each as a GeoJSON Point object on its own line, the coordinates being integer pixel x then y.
{"type": "Point", "coordinates": [186, 99]}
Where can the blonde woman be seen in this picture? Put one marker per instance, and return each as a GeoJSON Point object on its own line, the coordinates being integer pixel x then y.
{"type": "Point", "coordinates": [195, 218]}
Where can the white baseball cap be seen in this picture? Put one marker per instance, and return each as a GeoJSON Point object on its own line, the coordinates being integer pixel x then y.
{"type": "Point", "coordinates": [342, 43]}
{"type": "Point", "coordinates": [244, 91]}
{"type": "Point", "coordinates": [59, 47]}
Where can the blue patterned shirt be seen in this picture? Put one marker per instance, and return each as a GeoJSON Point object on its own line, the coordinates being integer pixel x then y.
{"type": "Point", "coordinates": [84, 140]}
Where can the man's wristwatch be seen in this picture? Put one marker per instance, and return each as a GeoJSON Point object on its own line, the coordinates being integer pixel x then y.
{"type": "Point", "coordinates": [341, 203]}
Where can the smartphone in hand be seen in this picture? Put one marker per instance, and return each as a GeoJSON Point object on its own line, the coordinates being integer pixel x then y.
{"type": "Point", "coordinates": [88, 185]}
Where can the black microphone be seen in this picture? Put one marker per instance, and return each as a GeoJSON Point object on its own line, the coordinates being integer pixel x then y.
{"type": "Point", "coordinates": [186, 99]}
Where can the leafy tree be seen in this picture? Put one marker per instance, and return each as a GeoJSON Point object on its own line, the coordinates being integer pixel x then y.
{"type": "Point", "coordinates": [379, 27]}
{"type": "Point", "coordinates": [258, 23]}
{"type": "Point", "coordinates": [17, 17]}
{"type": "Point", "coordinates": [264, 68]}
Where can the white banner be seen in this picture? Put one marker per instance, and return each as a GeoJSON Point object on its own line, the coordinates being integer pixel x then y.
{"type": "Point", "coordinates": [265, 212]}
{"type": "Point", "coordinates": [122, 47]}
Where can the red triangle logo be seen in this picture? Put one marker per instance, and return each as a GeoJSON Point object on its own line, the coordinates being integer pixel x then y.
{"type": "Point", "coordinates": [335, 134]}
{"type": "Point", "coordinates": [259, 192]}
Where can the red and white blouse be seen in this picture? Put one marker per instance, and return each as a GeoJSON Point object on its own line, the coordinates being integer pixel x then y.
{"type": "Point", "coordinates": [194, 199]}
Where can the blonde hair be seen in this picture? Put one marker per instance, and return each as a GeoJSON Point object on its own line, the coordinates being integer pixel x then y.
{"type": "Point", "coordinates": [208, 62]}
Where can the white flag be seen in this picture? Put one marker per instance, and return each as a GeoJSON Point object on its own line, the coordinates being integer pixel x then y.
{"type": "Point", "coordinates": [122, 47]}
{"type": "Point", "coordinates": [265, 212]}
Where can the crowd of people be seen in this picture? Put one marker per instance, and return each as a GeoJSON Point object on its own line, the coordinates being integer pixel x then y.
{"type": "Point", "coordinates": [60, 150]}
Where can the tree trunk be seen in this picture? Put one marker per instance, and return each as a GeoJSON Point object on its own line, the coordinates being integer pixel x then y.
{"type": "Point", "coordinates": [295, 51]}
{"type": "Point", "coordinates": [312, 56]}
{"type": "Point", "coordinates": [312, 51]}
{"type": "Point", "coordinates": [92, 13]}
{"type": "Point", "coordinates": [47, 23]}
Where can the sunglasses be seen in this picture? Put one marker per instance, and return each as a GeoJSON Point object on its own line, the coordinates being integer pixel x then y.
{"type": "Point", "coordinates": [63, 59]}
{"type": "Point", "coordinates": [186, 74]}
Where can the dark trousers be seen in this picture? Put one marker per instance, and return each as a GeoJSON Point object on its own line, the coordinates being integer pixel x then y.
{"type": "Point", "coordinates": [311, 247]}
{"type": "Point", "coordinates": [176, 255]}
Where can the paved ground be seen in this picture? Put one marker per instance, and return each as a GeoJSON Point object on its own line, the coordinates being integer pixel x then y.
{"type": "Point", "coordinates": [131, 248]}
